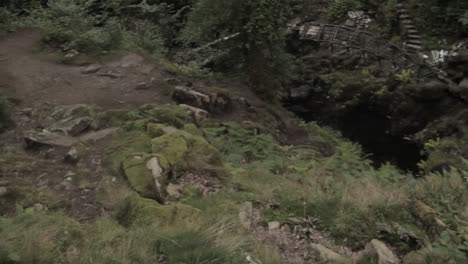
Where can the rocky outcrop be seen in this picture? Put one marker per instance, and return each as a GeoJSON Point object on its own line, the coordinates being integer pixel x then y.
{"type": "Point", "coordinates": [198, 114]}
{"type": "Point", "coordinates": [428, 216]}
{"type": "Point", "coordinates": [325, 255]}
{"type": "Point", "coordinates": [183, 151]}
{"type": "Point", "coordinates": [416, 257]}
{"type": "Point", "coordinates": [147, 174]}
{"type": "Point", "coordinates": [217, 101]}
{"type": "Point", "coordinates": [377, 252]}
{"type": "Point", "coordinates": [45, 137]}
{"type": "Point", "coordinates": [245, 215]}
{"type": "Point", "coordinates": [135, 210]}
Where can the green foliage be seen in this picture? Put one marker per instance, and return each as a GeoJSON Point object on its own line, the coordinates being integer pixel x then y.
{"type": "Point", "coordinates": [194, 247]}
{"type": "Point", "coordinates": [147, 36]}
{"type": "Point", "coordinates": [240, 145]}
{"type": "Point", "coordinates": [340, 8]}
{"type": "Point", "coordinates": [437, 18]}
{"type": "Point", "coordinates": [404, 76]}
{"type": "Point", "coordinates": [99, 40]}
{"type": "Point", "coordinates": [37, 237]}
{"type": "Point", "coordinates": [260, 44]}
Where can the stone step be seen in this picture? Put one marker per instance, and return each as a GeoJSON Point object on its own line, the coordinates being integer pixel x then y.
{"type": "Point", "coordinates": [413, 47]}
{"type": "Point", "coordinates": [405, 16]}
{"type": "Point", "coordinates": [406, 22]}
{"type": "Point", "coordinates": [415, 42]}
{"type": "Point", "coordinates": [409, 26]}
{"type": "Point", "coordinates": [415, 37]}
{"type": "Point", "coordinates": [400, 5]}
{"type": "Point", "coordinates": [402, 11]}
{"type": "Point", "coordinates": [413, 31]}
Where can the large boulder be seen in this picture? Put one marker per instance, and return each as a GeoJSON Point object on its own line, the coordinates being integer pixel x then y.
{"type": "Point", "coordinates": [245, 215]}
{"type": "Point", "coordinates": [33, 138]}
{"type": "Point", "coordinates": [214, 100]}
{"type": "Point", "coordinates": [135, 210]}
{"type": "Point", "coordinates": [70, 120]}
{"type": "Point", "coordinates": [199, 115]}
{"type": "Point", "coordinates": [173, 147]}
{"type": "Point", "coordinates": [185, 151]}
{"type": "Point", "coordinates": [377, 251]}
{"type": "Point", "coordinates": [172, 115]}
{"type": "Point", "coordinates": [183, 95]}
{"type": "Point", "coordinates": [427, 216]}
{"type": "Point", "coordinates": [147, 174]}
{"type": "Point", "coordinates": [325, 255]}
{"type": "Point", "coordinates": [416, 257]}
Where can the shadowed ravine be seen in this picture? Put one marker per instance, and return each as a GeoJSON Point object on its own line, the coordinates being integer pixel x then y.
{"type": "Point", "coordinates": [372, 131]}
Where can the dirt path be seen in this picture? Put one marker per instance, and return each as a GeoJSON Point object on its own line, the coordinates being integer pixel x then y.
{"type": "Point", "coordinates": [36, 80]}
{"type": "Point", "coordinates": [40, 85]}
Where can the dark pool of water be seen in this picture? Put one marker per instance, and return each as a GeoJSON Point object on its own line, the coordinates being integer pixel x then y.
{"type": "Point", "coordinates": [371, 130]}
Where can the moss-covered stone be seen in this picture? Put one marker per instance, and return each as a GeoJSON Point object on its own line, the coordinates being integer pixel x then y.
{"type": "Point", "coordinates": [185, 151]}
{"type": "Point", "coordinates": [173, 147]}
{"type": "Point", "coordinates": [427, 216]}
{"type": "Point", "coordinates": [173, 115]}
{"type": "Point", "coordinates": [415, 257]}
{"type": "Point", "coordinates": [126, 143]}
{"type": "Point", "coordinates": [155, 130]}
{"type": "Point", "coordinates": [193, 129]}
{"type": "Point", "coordinates": [147, 174]}
{"type": "Point", "coordinates": [135, 210]}
{"type": "Point", "coordinates": [113, 116]}
{"type": "Point", "coordinates": [199, 147]}
{"type": "Point", "coordinates": [139, 125]}
{"type": "Point", "coordinates": [210, 123]}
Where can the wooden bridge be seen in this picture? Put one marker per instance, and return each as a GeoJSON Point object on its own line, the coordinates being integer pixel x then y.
{"type": "Point", "coordinates": [368, 43]}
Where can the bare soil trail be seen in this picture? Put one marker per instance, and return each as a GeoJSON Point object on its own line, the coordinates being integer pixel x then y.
{"type": "Point", "coordinates": [37, 81]}
{"type": "Point", "coordinates": [39, 84]}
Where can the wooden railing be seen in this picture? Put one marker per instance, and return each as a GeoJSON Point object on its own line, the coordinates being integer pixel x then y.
{"type": "Point", "coordinates": [368, 43]}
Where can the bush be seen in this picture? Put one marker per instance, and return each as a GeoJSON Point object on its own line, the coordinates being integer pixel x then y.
{"type": "Point", "coordinates": [98, 40]}
{"type": "Point", "coordinates": [147, 36]}
{"type": "Point", "coordinates": [340, 8]}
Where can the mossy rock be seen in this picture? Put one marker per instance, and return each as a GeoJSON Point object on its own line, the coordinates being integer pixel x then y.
{"type": "Point", "coordinates": [193, 129]}
{"type": "Point", "coordinates": [326, 255]}
{"type": "Point", "coordinates": [210, 123]}
{"type": "Point", "coordinates": [135, 210]}
{"type": "Point", "coordinates": [184, 151]}
{"type": "Point", "coordinates": [147, 174]}
{"type": "Point", "coordinates": [199, 147]}
{"type": "Point", "coordinates": [173, 147]}
{"type": "Point", "coordinates": [113, 117]}
{"type": "Point", "coordinates": [173, 115]}
{"type": "Point", "coordinates": [155, 130]}
{"type": "Point", "coordinates": [126, 143]}
{"type": "Point", "coordinates": [139, 125]}
{"type": "Point", "coordinates": [415, 257]}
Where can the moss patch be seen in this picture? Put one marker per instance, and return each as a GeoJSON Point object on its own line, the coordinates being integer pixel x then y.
{"type": "Point", "coordinates": [155, 130]}
{"type": "Point", "coordinates": [135, 210]}
{"type": "Point", "coordinates": [126, 143]}
{"type": "Point", "coordinates": [141, 177]}
{"type": "Point", "coordinates": [172, 115]}
{"type": "Point", "coordinates": [173, 147]}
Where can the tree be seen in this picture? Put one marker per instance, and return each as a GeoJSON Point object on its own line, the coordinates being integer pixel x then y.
{"type": "Point", "coordinates": [261, 25]}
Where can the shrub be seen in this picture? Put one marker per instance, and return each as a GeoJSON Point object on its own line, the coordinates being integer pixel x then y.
{"type": "Point", "coordinates": [339, 8]}
{"type": "Point", "coordinates": [147, 36]}
{"type": "Point", "coordinates": [98, 40]}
